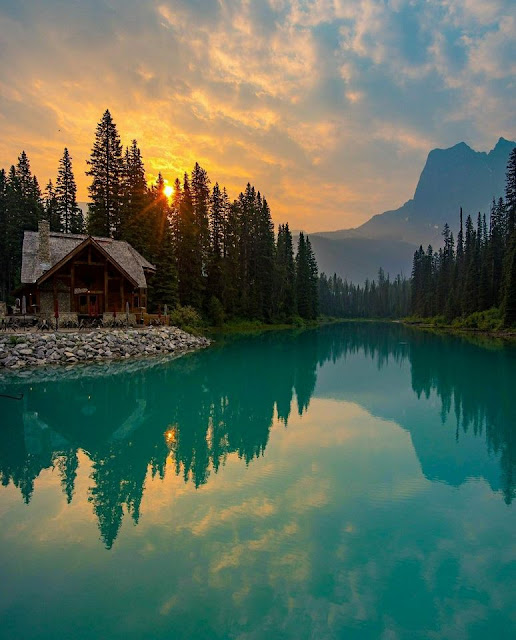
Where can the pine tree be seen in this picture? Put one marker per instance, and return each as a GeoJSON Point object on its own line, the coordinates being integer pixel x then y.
{"type": "Point", "coordinates": [304, 291]}
{"type": "Point", "coordinates": [138, 219]}
{"type": "Point", "coordinates": [510, 194]}
{"type": "Point", "coordinates": [495, 252]}
{"type": "Point", "coordinates": [52, 208]}
{"type": "Point", "coordinates": [509, 301]}
{"type": "Point", "coordinates": [29, 193]}
{"type": "Point", "coordinates": [217, 233]}
{"type": "Point", "coordinates": [164, 285]}
{"type": "Point", "coordinates": [174, 211]}
{"type": "Point", "coordinates": [417, 282]}
{"type": "Point", "coordinates": [22, 210]}
{"type": "Point", "coordinates": [231, 273]}
{"type": "Point", "coordinates": [200, 191]}
{"type": "Point", "coordinates": [4, 228]}
{"type": "Point", "coordinates": [472, 271]}
{"type": "Point", "coordinates": [189, 260]}
{"type": "Point", "coordinates": [265, 249]}
{"type": "Point", "coordinates": [313, 279]}
{"type": "Point", "coordinates": [71, 218]}
{"type": "Point", "coordinates": [163, 288]}
{"type": "Point", "coordinates": [106, 169]}
{"type": "Point", "coordinates": [284, 301]}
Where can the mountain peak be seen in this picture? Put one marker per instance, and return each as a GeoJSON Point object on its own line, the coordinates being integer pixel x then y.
{"type": "Point", "coordinates": [503, 146]}
{"type": "Point", "coordinates": [452, 178]}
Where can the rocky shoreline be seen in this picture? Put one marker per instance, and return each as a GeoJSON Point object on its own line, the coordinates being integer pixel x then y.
{"type": "Point", "coordinates": [28, 350]}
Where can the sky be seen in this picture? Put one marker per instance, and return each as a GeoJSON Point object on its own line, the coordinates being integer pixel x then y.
{"type": "Point", "coordinates": [329, 107]}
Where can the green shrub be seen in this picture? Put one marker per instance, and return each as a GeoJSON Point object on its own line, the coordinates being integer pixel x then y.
{"type": "Point", "coordinates": [490, 320]}
{"type": "Point", "coordinates": [183, 317]}
{"type": "Point", "coordinates": [440, 321]}
{"type": "Point", "coordinates": [216, 312]}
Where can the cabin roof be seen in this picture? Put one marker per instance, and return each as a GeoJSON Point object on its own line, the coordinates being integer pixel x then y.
{"type": "Point", "coordinates": [61, 244]}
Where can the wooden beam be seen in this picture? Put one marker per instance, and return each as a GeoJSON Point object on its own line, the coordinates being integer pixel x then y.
{"type": "Point", "coordinates": [72, 288]}
{"type": "Point", "coordinates": [54, 291]}
{"type": "Point", "coordinates": [106, 288]}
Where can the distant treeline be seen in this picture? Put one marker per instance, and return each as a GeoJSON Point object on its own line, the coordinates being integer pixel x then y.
{"type": "Point", "coordinates": [222, 258]}
{"type": "Point", "coordinates": [384, 298]}
{"type": "Point", "coordinates": [456, 283]}
{"type": "Point", "coordinates": [477, 273]}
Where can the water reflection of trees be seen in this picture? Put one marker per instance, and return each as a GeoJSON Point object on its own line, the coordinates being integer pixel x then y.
{"type": "Point", "coordinates": [475, 380]}
{"type": "Point", "coordinates": [192, 413]}
{"type": "Point", "coordinates": [197, 411]}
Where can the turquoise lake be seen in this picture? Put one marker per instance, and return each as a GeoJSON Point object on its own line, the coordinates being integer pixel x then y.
{"type": "Point", "coordinates": [351, 481]}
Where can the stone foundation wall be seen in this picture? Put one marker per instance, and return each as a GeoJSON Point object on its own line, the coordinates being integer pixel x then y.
{"type": "Point", "coordinates": [46, 300]}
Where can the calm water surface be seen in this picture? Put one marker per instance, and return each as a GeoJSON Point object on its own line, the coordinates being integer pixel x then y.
{"type": "Point", "coordinates": [354, 481]}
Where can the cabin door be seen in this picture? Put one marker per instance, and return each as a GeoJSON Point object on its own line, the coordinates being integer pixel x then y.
{"type": "Point", "coordinates": [90, 304]}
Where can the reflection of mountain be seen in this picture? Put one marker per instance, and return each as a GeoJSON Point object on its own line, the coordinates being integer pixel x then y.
{"type": "Point", "coordinates": [199, 409]}
{"type": "Point", "coordinates": [465, 429]}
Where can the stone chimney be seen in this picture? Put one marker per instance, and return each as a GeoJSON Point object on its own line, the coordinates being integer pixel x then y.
{"type": "Point", "coordinates": [44, 244]}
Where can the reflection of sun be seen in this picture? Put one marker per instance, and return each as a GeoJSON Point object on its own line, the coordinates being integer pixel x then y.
{"type": "Point", "coordinates": [169, 190]}
{"type": "Point", "coordinates": [170, 435]}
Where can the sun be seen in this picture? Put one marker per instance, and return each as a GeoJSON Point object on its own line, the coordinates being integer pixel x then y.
{"type": "Point", "coordinates": [169, 190]}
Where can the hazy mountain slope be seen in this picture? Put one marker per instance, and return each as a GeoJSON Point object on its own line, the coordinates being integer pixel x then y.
{"type": "Point", "coordinates": [360, 258]}
{"type": "Point", "coordinates": [452, 178]}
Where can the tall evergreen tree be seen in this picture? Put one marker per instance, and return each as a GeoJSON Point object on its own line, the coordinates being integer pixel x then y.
{"type": "Point", "coordinates": [52, 208]}
{"type": "Point", "coordinates": [471, 258]}
{"type": "Point", "coordinates": [189, 261]}
{"type": "Point", "coordinates": [200, 192]}
{"type": "Point", "coordinates": [285, 276]}
{"type": "Point", "coordinates": [265, 248]}
{"type": "Point", "coordinates": [29, 194]}
{"type": "Point", "coordinates": [217, 233]}
{"type": "Point", "coordinates": [313, 279]}
{"type": "Point", "coordinates": [164, 285]}
{"type": "Point", "coordinates": [306, 279]}
{"type": "Point", "coordinates": [71, 218]}
{"type": "Point", "coordinates": [138, 218]}
{"type": "Point", "coordinates": [509, 300]}
{"type": "Point", "coordinates": [510, 194]}
{"type": "Point", "coordinates": [4, 230]}
{"type": "Point", "coordinates": [23, 208]}
{"type": "Point", "coordinates": [106, 170]}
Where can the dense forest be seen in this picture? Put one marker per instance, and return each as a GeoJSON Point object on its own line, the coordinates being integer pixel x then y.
{"type": "Point", "coordinates": [478, 272]}
{"type": "Point", "coordinates": [384, 298]}
{"type": "Point", "coordinates": [221, 258]}
{"type": "Point", "coordinates": [224, 260]}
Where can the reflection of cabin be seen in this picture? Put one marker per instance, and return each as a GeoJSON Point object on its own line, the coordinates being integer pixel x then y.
{"type": "Point", "coordinates": [81, 274]}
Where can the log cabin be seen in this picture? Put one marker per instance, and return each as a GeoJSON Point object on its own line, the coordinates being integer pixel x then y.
{"type": "Point", "coordinates": [81, 275]}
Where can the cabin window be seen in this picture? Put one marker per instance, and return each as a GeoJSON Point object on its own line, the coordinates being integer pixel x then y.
{"type": "Point", "coordinates": [82, 301]}
{"type": "Point", "coordinates": [136, 301]}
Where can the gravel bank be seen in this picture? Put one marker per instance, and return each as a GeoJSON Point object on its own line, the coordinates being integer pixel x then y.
{"type": "Point", "coordinates": [27, 350]}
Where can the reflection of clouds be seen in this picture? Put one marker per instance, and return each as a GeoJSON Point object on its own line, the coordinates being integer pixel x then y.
{"type": "Point", "coordinates": [72, 523]}
{"type": "Point", "coordinates": [206, 81]}
{"type": "Point", "coordinates": [321, 533]}
{"type": "Point", "coordinates": [271, 553]}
